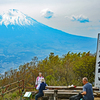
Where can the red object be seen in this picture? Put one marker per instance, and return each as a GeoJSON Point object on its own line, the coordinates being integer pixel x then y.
{"type": "Point", "coordinates": [74, 86]}
{"type": "Point", "coordinates": [35, 85]}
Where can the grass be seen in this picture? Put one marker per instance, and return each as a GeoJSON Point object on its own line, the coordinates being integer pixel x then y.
{"type": "Point", "coordinates": [11, 96]}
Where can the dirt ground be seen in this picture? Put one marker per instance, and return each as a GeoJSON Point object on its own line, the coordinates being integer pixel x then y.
{"type": "Point", "coordinates": [97, 98]}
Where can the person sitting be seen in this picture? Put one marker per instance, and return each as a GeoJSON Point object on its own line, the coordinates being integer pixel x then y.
{"type": "Point", "coordinates": [87, 90]}
{"type": "Point", "coordinates": [40, 87]}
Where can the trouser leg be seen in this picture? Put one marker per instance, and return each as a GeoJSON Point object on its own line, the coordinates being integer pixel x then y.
{"type": "Point", "coordinates": [38, 95]}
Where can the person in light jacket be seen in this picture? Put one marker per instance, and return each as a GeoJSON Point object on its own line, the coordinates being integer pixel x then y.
{"type": "Point", "coordinates": [38, 79]}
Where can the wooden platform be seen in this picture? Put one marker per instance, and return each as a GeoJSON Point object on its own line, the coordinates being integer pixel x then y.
{"type": "Point", "coordinates": [69, 88]}
{"type": "Point", "coordinates": [64, 92]}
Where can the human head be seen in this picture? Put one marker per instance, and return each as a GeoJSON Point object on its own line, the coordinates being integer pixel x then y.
{"type": "Point", "coordinates": [40, 74]}
{"type": "Point", "coordinates": [85, 80]}
{"type": "Point", "coordinates": [42, 80]}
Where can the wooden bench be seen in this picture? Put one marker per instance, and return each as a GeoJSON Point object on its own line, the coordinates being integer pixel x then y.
{"type": "Point", "coordinates": [61, 94]}
{"type": "Point", "coordinates": [69, 88]}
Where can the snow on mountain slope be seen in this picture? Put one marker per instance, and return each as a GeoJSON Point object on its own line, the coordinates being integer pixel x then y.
{"type": "Point", "coordinates": [13, 17]}
{"type": "Point", "coordinates": [22, 38]}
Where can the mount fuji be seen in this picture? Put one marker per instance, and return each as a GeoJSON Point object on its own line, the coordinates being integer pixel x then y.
{"type": "Point", "coordinates": [22, 38]}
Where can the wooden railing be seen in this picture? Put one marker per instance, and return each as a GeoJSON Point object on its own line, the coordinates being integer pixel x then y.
{"type": "Point", "coordinates": [4, 89]}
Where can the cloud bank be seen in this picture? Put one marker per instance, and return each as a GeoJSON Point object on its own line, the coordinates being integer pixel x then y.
{"type": "Point", "coordinates": [47, 13]}
{"type": "Point", "coordinates": [80, 18]}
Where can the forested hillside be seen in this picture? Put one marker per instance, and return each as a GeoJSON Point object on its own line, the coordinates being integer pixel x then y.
{"type": "Point", "coordinates": [66, 70]}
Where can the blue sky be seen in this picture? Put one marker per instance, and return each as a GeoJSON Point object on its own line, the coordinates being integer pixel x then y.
{"type": "Point", "coordinates": [79, 17]}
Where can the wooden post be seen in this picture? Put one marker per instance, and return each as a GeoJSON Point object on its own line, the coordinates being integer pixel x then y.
{"type": "Point", "coordinates": [55, 94]}
{"type": "Point", "coordinates": [19, 86]}
{"type": "Point", "coordinates": [3, 93]}
{"type": "Point", "coordinates": [23, 84]}
{"type": "Point", "coordinates": [6, 88]}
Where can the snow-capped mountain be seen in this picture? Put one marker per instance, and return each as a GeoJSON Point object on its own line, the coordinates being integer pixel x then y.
{"type": "Point", "coordinates": [13, 17]}
{"type": "Point", "coordinates": [22, 38]}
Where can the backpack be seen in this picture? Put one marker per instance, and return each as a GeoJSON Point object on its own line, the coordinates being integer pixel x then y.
{"type": "Point", "coordinates": [76, 97]}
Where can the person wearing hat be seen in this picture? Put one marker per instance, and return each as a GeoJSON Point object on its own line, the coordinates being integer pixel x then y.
{"type": "Point", "coordinates": [38, 79]}
{"type": "Point", "coordinates": [40, 87]}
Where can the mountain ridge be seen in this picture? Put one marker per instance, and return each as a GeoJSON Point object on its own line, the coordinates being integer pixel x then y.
{"type": "Point", "coordinates": [20, 43]}
{"type": "Point", "coordinates": [13, 17]}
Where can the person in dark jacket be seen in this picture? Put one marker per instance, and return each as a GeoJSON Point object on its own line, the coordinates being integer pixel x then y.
{"type": "Point", "coordinates": [87, 90]}
{"type": "Point", "coordinates": [40, 87]}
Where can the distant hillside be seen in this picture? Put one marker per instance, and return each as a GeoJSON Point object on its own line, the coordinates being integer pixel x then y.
{"type": "Point", "coordinates": [22, 38]}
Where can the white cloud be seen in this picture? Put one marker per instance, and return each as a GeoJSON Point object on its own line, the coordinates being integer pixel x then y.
{"type": "Point", "coordinates": [47, 13]}
{"type": "Point", "coordinates": [32, 8]}
{"type": "Point", "coordinates": [80, 18]}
